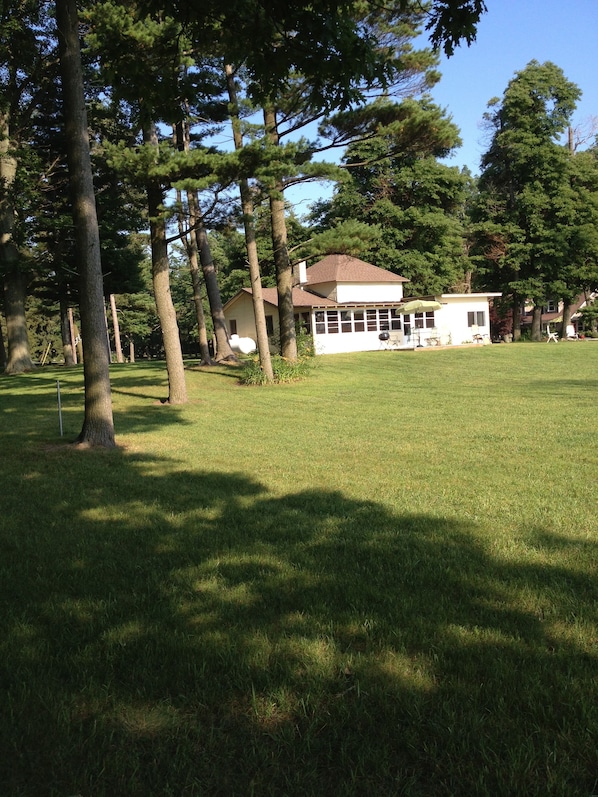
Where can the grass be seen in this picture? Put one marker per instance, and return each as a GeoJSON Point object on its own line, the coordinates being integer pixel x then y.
{"type": "Point", "coordinates": [378, 581]}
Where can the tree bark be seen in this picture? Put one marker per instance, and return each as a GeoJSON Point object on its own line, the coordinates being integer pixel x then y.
{"type": "Point", "coordinates": [516, 318]}
{"type": "Point", "coordinates": [177, 388]}
{"type": "Point", "coordinates": [191, 248]}
{"type": "Point", "coordinates": [223, 349]}
{"type": "Point", "coordinates": [116, 329]}
{"type": "Point", "coordinates": [202, 333]}
{"type": "Point", "coordinates": [98, 423]}
{"type": "Point", "coordinates": [567, 312]}
{"type": "Point", "coordinates": [19, 353]}
{"type": "Point", "coordinates": [2, 348]}
{"type": "Point", "coordinates": [284, 270]}
{"type": "Point", "coordinates": [537, 323]}
{"type": "Point", "coordinates": [259, 314]}
{"type": "Point", "coordinates": [66, 333]}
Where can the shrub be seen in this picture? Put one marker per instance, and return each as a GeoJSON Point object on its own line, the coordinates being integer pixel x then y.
{"type": "Point", "coordinates": [284, 370]}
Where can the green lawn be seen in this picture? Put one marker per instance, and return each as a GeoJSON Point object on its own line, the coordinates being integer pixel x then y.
{"type": "Point", "coordinates": [381, 580]}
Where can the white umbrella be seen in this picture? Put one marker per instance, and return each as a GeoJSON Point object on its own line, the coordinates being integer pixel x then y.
{"type": "Point", "coordinates": [419, 306]}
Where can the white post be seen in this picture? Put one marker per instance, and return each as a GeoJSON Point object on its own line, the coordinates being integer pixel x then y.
{"type": "Point", "coordinates": [59, 407]}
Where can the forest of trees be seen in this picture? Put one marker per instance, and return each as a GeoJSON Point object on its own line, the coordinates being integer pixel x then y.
{"type": "Point", "coordinates": [146, 150]}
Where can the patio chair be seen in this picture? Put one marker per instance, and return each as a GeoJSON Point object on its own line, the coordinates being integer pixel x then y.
{"type": "Point", "coordinates": [571, 333]}
{"type": "Point", "coordinates": [475, 334]}
{"type": "Point", "coordinates": [434, 339]}
{"type": "Point", "coordinates": [396, 339]}
{"type": "Point", "coordinates": [551, 335]}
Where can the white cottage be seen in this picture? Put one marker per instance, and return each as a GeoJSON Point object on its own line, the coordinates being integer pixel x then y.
{"type": "Point", "coordinates": [349, 305]}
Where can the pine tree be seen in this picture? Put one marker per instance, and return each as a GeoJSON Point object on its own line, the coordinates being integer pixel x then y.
{"type": "Point", "coordinates": [395, 184]}
{"type": "Point", "coordinates": [98, 423]}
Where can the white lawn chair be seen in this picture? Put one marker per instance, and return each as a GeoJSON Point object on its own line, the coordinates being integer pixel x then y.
{"type": "Point", "coordinates": [551, 335]}
{"type": "Point", "coordinates": [476, 335]}
{"type": "Point", "coordinates": [434, 339]}
{"type": "Point", "coordinates": [396, 339]}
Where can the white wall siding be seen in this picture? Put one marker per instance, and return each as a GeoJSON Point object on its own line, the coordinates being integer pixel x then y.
{"type": "Point", "coordinates": [454, 316]}
{"type": "Point", "coordinates": [363, 292]}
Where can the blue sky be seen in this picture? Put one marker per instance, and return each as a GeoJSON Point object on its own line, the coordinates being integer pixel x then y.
{"type": "Point", "coordinates": [509, 36]}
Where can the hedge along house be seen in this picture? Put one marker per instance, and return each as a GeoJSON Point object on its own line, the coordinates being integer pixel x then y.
{"type": "Point", "coordinates": [347, 305]}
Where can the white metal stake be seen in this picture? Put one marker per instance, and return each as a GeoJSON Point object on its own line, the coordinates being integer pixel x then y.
{"type": "Point", "coordinates": [59, 407]}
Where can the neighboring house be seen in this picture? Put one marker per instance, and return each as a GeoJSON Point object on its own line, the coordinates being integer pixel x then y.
{"type": "Point", "coordinates": [552, 312]}
{"type": "Point", "coordinates": [347, 305]}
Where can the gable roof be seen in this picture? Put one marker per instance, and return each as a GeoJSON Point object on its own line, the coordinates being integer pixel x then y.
{"type": "Point", "coordinates": [301, 298]}
{"type": "Point", "coordinates": [344, 268]}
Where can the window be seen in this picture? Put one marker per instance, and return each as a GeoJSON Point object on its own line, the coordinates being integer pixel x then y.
{"type": "Point", "coordinates": [424, 320]}
{"type": "Point", "coordinates": [302, 323]}
{"type": "Point", "coordinates": [552, 306]}
{"type": "Point", "coordinates": [346, 325]}
{"type": "Point", "coordinates": [233, 326]}
{"type": "Point", "coordinates": [332, 320]}
{"type": "Point", "coordinates": [476, 319]}
{"type": "Point", "coordinates": [269, 325]}
{"type": "Point", "coordinates": [372, 320]}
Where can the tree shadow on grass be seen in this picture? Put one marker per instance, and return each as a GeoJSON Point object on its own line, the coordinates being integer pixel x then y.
{"type": "Point", "coordinates": [32, 415]}
{"type": "Point", "coordinates": [188, 633]}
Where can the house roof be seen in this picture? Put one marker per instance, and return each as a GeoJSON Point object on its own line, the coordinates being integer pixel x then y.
{"type": "Point", "coordinates": [344, 268]}
{"type": "Point", "coordinates": [301, 298]}
{"type": "Point", "coordinates": [486, 295]}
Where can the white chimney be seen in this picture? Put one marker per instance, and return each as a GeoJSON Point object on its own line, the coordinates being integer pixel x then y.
{"type": "Point", "coordinates": [302, 272]}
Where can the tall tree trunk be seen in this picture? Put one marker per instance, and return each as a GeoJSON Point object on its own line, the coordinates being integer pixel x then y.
{"type": "Point", "coordinates": [516, 318]}
{"type": "Point", "coordinates": [190, 240]}
{"type": "Point", "coordinates": [98, 423]}
{"type": "Point", "coordinates": [19, 353]}
{"type": "Point", "coordinates": [261, 330]}
{"type": "Point", "coordinates": [66, 333]}
{"type": "Point", "coordinates": [284, 270]}
{"type": "Point", "coordinates": [177, 389]}
{"type": "Point", "coordinates": [223, 349]}
{"type": "Point", "coordinates": [567, 312]}
{"type": "Point", "coordinates": [2, 348]}
{"type": "Point", "coordinates": [116, 329]}
{"type": "Point", "coordinates": [77, 338]}
{"type": "Point", "coordinates": [537, 323]}
{"type": "Point", "coordinates": [202, 332]}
